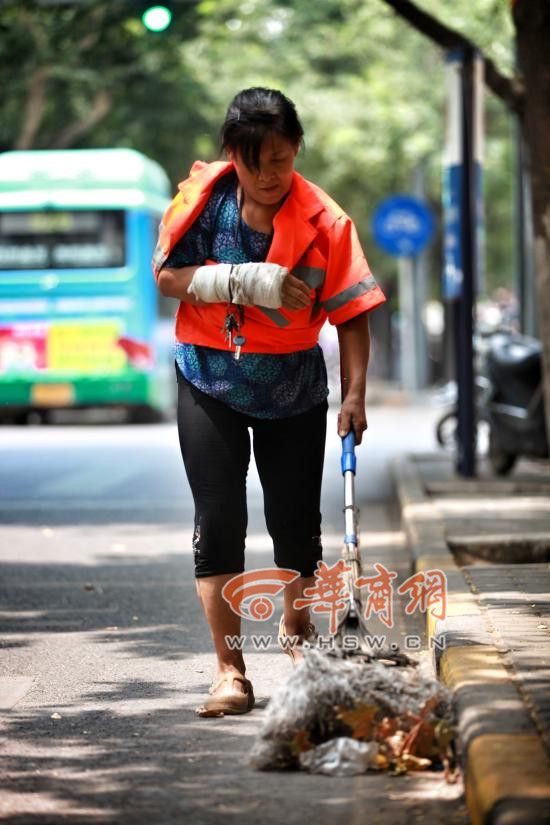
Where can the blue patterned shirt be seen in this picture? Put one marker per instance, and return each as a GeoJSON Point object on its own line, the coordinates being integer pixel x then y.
{"type": "Point", "coordinates": [261, 385]}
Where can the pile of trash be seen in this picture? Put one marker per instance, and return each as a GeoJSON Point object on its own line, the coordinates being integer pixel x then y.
{"type": "Point", "coordinates": [343, 716]}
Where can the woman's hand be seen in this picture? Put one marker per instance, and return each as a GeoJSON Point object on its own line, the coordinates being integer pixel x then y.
{"type": "Point", "coordinates": [352, 416]}
{"type": "Point", "coordinates": [295, 293]}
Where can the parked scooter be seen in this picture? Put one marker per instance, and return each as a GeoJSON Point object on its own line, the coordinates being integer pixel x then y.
{"type": "Point", "coordinates": [445, 428]}
{"type": "Point", "coordinates": [508, 397]}
{"type": "Point", "coordinates": [515, 406]}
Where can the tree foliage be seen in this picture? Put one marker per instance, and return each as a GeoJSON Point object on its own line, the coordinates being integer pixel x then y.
{"type": "Point", "coordinates": [88, 73]}
{"type": "Point", "coordinates": [371, 94]}
{"type": "Point", "coordinates": [369, 90]}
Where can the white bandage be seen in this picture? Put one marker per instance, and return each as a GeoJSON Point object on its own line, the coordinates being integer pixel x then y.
{"type": "Point", "coordinates": [248, 284]}
{"type": "Point", "coordinates": [211, 283]}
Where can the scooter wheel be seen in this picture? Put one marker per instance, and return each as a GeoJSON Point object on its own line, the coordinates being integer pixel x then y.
{"type": "Point", "coordinates": [445, 431]}
{"type": "Point", "coordinates": [500, 460]}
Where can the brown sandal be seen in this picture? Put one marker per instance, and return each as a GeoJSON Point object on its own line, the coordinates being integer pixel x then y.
{"type": "Point", "coordinates": [228, 703]}
{"type": "Point", "coordinates": [309, 635]}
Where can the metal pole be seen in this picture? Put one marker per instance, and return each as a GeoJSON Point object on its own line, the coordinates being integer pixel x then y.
{"type": "Point", "coordinates": [524, 275]}
{"type": "Point", "coordinates": [420, 279]}
{"type": "Point", "coordinates": [523, 222]}
{"type": "Point", "coordinates": [519, 227]}
{"type": "Point", "coordinates": [407, 326]}
{"type": "Point", "coordinates": [466, 429]}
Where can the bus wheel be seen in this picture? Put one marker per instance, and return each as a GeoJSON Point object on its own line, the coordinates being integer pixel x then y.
{"type": "Point", "coordinates": [35, 418]}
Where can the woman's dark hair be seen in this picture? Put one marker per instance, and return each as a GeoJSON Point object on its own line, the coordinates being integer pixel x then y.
{"type": "Point", "coordinates": [253, 114]}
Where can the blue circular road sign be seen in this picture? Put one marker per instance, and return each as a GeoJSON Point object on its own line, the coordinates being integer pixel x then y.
{"type": "Point", "coordinates": [403, 225]}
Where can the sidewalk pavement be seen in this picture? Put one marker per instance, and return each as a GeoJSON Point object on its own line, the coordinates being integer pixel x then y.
{"type": "Point", "coordinates": [491, 536]}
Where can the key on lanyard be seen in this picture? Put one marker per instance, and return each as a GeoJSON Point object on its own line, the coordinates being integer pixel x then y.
{"type": "Point", "coordinates": [230, 325]}
{"type": "Point", "coordinates": [240, 340]}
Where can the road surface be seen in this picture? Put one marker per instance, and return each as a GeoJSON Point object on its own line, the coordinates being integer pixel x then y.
{"type": "Point", "coordinates": [105, 652]}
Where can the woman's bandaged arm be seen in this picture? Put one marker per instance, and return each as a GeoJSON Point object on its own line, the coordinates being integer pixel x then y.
{"type": "Point", "coordinates": [248, 284]}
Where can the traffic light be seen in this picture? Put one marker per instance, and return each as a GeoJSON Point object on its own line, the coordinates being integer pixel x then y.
{"type": "Point", "coordinates": [156, 18]}
{"type": "Point", "coordinates": [176, 18]}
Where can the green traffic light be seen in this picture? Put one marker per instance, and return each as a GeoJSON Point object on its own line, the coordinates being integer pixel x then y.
{"type": "Point", "coordinates": [156, 18]}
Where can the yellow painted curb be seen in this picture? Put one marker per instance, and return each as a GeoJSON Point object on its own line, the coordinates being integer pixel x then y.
{"type": "Point", "coordinates": [472, 665]}
{"type": "Point", "coordinates": [499, 766]}
{"type": "Point", "coordinates": [459, 603]}
{"type": "Point", "coordinates": [504, 767]}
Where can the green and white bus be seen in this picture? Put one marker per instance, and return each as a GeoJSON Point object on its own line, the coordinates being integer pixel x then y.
{"type": "Point", "coordinates": [81, 320]}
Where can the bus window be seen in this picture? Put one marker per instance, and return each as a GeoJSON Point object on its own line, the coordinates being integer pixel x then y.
{"type": "Point", "coordinates": [62, 239]}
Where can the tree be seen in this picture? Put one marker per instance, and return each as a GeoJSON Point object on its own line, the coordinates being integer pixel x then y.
{"type": "Point", "coordinates": [527, 95]}
{"type": "Point", "coordinates": [371, 96]}
{"type": "Point", "coordinates": [88, 73]}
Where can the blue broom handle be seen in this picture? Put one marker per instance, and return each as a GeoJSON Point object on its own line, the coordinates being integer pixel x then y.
{"type": "Point", "coordinates": [348, 471]}
{"type": "Point", "coordinates": [348, 453]}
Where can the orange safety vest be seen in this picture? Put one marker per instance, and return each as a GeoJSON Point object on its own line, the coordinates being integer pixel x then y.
{"type": "Point", "coordinates": [312, 237]}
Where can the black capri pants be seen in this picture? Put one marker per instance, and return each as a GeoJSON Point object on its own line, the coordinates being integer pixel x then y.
{"type": "Point", "coordinates": [289, 454]}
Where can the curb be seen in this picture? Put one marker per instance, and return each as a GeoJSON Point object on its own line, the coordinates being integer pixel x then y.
{"type": "Point", "coordinates": [506, 768]}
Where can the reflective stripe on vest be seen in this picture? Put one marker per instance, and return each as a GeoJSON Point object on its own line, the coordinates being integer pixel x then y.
{"type": "Point", "coordinates": [349, 294]}
{"type": "Point", "coordinates": [313, 276]}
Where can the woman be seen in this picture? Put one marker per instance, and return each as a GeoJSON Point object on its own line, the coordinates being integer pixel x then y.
{"type": "Point", "coordinates": [259, 258]}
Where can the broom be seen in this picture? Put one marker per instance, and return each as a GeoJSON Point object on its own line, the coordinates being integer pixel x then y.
{"type": "Point", "coordinates": [351, 621]}
{"type": "Point", "coordinates": [355, 707]}
{"type": "Point", "coordinates": [349, 709]}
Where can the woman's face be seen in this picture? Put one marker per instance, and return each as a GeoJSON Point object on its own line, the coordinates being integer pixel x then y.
{"type": "Point", "coordinates": [271, 182]}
